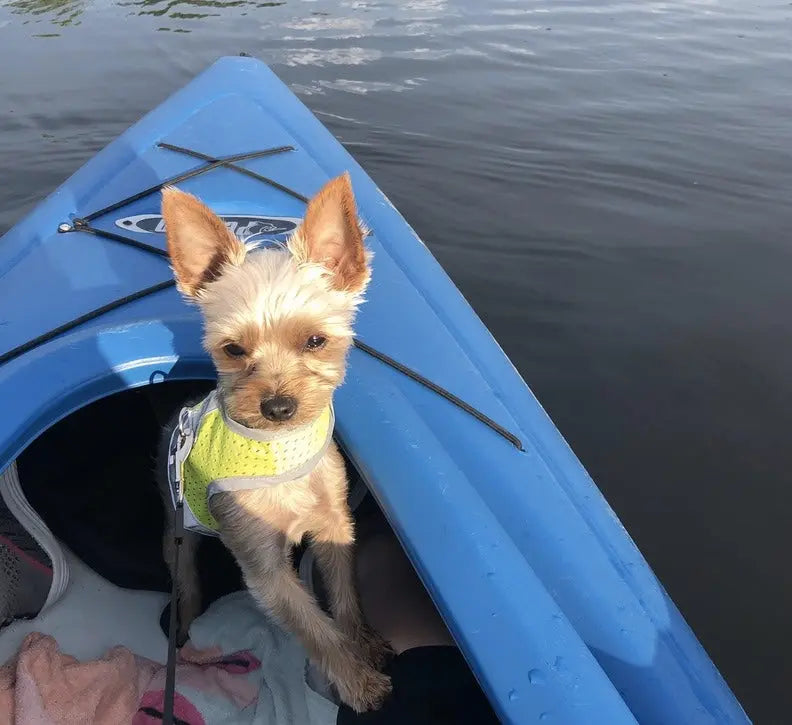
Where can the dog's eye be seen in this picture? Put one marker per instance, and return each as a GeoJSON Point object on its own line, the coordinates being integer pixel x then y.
{"type": "Point", "coordinates": [314, 342]}
{"type": "Point", "coordinates": [233, 350]}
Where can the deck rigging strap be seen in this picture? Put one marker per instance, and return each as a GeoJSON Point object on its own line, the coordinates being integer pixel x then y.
{"type": "Point", "coordinates": [215, 163]}
{"type": "Point", "coordinates": [82, 224]}
{"type": "Point", "coordinates": [241, 169]}
{"type": "Point", "coordinates": [87, 317]}
{"type": "Point", "coordinates": [442, 392]}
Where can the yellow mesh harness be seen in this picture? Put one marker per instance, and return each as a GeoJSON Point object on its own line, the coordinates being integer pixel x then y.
{"type": "Point", "coordinates": [209, 453]}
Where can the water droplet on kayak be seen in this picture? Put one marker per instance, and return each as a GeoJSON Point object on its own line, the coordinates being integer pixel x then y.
{"type": "Point", "coordinates": [544, 716]}
{"type": "Point", "coordinates": [513, 695]}
{"type": "Point", "coordinates": [536, 677]}
{"type": "Point", "coordinates": [559, 665]}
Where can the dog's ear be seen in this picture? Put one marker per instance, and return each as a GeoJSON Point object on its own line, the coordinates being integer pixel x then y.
{"type": "Point", "coordinates": [331, 235]}
{"type": "Point", "coordinates": [199, 243]}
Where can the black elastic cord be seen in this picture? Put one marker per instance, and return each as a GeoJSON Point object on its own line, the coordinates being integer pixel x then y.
{"type": "Point", "coordinates": [92, 315]}
{"type": "Point", "coordinates": [80, 225]}
{"type": "Point", "coordinates": [442, 392]}
{"type": "Point", "coordinates": [241, 169]}
{"type": "Point", "coordinates": [223, 161]}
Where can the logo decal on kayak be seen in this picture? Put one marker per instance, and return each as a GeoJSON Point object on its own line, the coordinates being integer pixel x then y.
{"type": "Point", "coordinates": [246, 228]}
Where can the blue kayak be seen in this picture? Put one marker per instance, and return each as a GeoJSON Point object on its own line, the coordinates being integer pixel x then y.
{"type": "Point", "coordinates": [558, 614]}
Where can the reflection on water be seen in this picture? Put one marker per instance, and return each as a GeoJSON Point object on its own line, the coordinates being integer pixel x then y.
{"type": "Point", "coordinates": [607, 182]}
{"type": "Point", "coordinates": [375, 19]}
{"type": "Point", "coordinates": [58, 12]}
{"type": "Point", "coordinates": [61, 13]}
{"type": "Point", "coordinates": [192, 9]}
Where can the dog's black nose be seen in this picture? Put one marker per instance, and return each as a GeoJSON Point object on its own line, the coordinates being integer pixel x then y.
{"type": "Point", "coordinates": [279, 408]}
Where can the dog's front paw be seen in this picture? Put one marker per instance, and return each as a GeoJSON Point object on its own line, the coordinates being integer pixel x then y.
{"type": "Point", "coordinates": [189, 608]}
{"type": "Point", "coordinates": [182, 635]}
{"type": "Point", "coordinates": [373, 647]}
{"type": "Point", "coordinates": [367, 691]}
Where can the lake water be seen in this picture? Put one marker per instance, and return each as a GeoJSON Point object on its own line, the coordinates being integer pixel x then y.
{"type": "Point", "coordinates": [608, 183]}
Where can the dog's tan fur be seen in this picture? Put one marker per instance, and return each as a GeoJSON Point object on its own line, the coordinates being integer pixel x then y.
{"type": "Point", "coordinates": [269, 303]}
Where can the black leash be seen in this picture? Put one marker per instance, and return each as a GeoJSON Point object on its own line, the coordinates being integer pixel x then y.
{"type": "Point", "coordinates": [170, 671]}
{"type": "Point", "coordinates": [82, 224]}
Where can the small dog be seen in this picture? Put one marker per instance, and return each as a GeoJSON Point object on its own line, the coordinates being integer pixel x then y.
{"type": "Point", "coordinates": [278, 326]}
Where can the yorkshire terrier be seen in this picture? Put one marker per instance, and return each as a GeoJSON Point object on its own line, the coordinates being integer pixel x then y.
{"type": "Point", "coordinates": [278, 327]}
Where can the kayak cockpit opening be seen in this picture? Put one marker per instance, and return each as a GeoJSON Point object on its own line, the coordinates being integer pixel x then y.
{"type": "Point", "coordinates": [90, 479]}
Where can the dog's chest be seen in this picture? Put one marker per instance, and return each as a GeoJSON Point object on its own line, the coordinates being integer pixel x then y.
{"type": "Point", "coordinates": [294, 508]}
{"type": "Point", "coordinates": [288, 508]}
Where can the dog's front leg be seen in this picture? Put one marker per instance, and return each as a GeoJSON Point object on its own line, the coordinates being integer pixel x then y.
{"type": "Point", "coordinates": [334, 551]}
{"type": "Point", "coordinates": [263, 555]}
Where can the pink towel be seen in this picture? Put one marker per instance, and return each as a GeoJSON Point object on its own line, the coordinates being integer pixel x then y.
{"type": "Point", "coordinates": [43, 686]}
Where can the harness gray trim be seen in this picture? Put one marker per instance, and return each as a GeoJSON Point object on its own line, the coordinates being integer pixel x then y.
{"type": "Point", "coordinates": [247, 483]}
{"type": "Point", "coordinates": [182, 441]}
{"type": "Point", "coordinates": [254, 433]}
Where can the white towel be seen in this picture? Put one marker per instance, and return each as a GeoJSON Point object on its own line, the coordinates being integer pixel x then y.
{"type": "Point", "coordinates": [233, 624]}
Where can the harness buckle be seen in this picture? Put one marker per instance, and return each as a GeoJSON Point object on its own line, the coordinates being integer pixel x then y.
{"type": "Point", "coordinates": [184, 428]}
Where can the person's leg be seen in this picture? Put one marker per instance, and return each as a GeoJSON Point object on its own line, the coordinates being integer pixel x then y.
{"type": "Point", "coordinates": [392, 597]}
{"type": "Point", "coordinates": [432, 684]}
